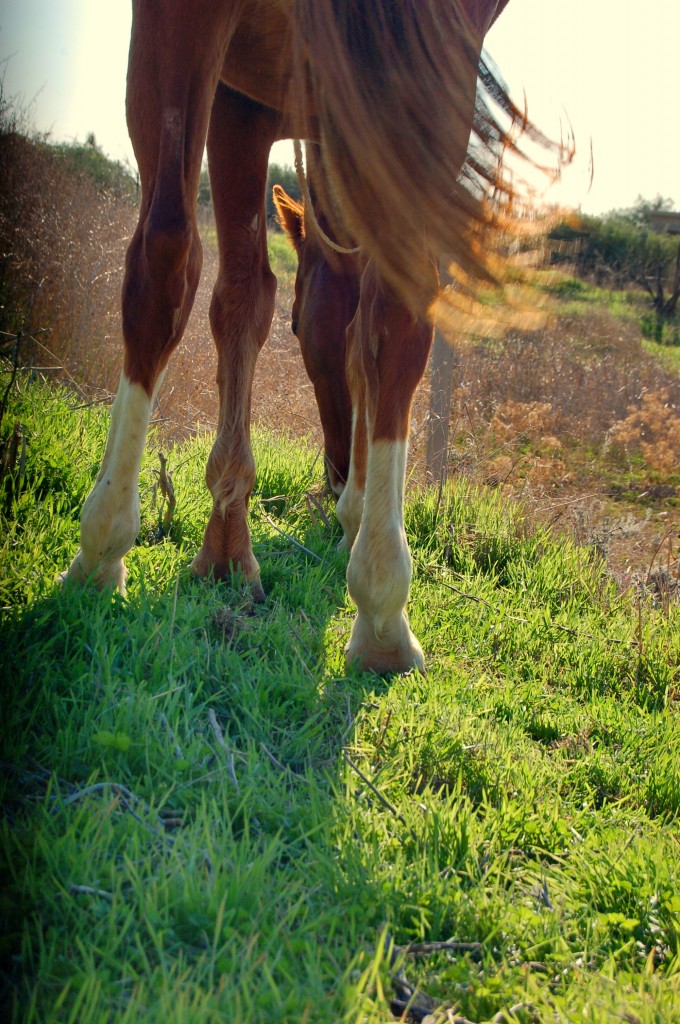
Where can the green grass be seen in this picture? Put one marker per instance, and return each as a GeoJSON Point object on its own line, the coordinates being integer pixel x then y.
{"type": "Point", "coordinates": [578, 297]}
{"type": "Point", "coordinates": [205, 817]}
{"type": "Point", "coordinates": [668, 355]}
{"type": "Point", "coordinates": [282, 257]}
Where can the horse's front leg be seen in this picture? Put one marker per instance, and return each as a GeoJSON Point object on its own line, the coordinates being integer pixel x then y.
{"type": "Point", "coordinates": [392, 347]}
{"type": "Point", "coordinates": [240, 136]}
{"type": "Point", "coordinates": [175, 59]}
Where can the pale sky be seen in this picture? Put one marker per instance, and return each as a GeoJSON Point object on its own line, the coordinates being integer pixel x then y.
{"type": "Point", "coordinates": [610, 68]}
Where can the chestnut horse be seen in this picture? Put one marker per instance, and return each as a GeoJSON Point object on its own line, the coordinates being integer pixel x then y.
{"type": "Point", "coordinates": [387, 92]}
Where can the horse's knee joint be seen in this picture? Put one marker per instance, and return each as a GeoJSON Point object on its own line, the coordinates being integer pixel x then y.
{"type": "Point", "coordinates": [167, 251]}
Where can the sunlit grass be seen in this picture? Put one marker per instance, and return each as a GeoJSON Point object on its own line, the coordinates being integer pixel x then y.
{"type": "Point", "coordinates": [206, 817]}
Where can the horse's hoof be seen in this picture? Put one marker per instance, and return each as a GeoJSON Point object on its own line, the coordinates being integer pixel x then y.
{"type": "Point", "coordinates": [107, 575]}
{"type": "Point", "coordinates": [394, 656]}
{"type": "Point", "coordinates": [202, 565]}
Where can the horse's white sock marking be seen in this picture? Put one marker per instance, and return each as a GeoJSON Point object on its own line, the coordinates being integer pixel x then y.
{"type": "Point", "coordinates": [110, 517]}
{"type": "Point", "coordinates": [379, 570]}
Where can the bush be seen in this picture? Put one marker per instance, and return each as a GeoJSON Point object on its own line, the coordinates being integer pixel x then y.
{"type": "Point", "coordinates": [63, 237]}
{"type": "Point", "coordinates": [652, 427]}
{"type": "Point", "coordinates": [620, 249]}
{"type": "Point", "coordinates": [88, 160]}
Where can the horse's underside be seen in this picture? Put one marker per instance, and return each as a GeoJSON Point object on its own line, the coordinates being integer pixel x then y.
{"type": "Point", "coordinates": [243, 74]}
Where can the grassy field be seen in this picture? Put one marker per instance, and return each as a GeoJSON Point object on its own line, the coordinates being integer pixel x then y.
{"type": "Point", "coordinates": [207, 818]}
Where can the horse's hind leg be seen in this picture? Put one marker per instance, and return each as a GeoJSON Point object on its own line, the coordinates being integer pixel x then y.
{"type": "Point", "coordinates": [240, 136]}
{"type": "Point", "coordinates": [391, 347]}
{"type": "Point", "coordinates": [173, 71]}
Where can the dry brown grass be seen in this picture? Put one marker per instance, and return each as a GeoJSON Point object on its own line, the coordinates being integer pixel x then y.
{"type": "Point", "coordinates": [62, 246]}
{"type": "Point", "coordinates": [582, 425]}
{"type": "Point", "coordinates": [653, 428]}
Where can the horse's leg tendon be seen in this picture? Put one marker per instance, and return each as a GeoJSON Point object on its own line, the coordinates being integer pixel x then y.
{"type": "Point", "coordinates": [240, 136]}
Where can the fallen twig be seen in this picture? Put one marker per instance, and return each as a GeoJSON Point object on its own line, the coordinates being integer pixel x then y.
{"type": "Point", "coordinates": [292, 540]}
{"type": "Point", "coordinates": [519, 618]}
{"type": "Point", "coordinates": [168, 492]}
{"type": "Point", "coordinates": [279, 765]}
{"type": "Point", "coordinates": [504, 1016]}
{"type": "Point", "coordinates": [164, 721]}
{"type": "Point", "coordinates": [314, 503]}
{"type": "Point", "coordinates": [15, 368]}
{"type": "Point", "coordinates": [475, 949]}
{"type": "Point", "coordinates": [127, 799]}
{"type": "Point", "coordinates": [219, 736]}
{"type": "Point", "coordinates": [376, 792]}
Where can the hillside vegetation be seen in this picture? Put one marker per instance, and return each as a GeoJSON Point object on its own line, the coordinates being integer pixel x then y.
{"type": "Point", "coordinates": [206, 817]}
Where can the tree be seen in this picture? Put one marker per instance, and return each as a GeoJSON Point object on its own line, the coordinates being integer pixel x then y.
{"type": "Point", "coordinates": [640, 213]}
{"type": "Point", "coordinates": [621, 249]}
{"type": "Point", "coordinates": [661, 275]}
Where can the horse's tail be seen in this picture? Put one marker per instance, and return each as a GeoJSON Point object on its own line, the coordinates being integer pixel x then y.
{"type": "Point", "coordinates": [409, 145]}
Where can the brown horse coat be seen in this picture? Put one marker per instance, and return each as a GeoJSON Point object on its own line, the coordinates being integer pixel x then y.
{"type": "Point", "coordinates": [387, 92]}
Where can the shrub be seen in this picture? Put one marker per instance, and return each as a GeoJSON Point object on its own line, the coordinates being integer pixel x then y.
{"type": "Point", "coordinates": [653, 428]}
{"type": "Point", "coordinates": [620, 249]}
{"type": "Point", "coordinates": [89, 160]}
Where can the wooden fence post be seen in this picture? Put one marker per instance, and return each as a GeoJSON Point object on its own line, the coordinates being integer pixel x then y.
{"type": "Point", "coordinates": [442, 362]}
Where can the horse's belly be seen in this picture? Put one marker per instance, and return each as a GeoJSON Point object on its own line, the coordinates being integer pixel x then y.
{"type": "Point", "coordinates": [258, 61]}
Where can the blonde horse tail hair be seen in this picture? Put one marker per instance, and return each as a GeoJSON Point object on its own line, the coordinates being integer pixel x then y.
{"type": "Point", "coordinates": [409, 145]}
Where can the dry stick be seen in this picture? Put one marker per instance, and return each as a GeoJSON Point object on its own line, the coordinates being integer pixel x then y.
{"type": "Point", "coordinates": [164, 721]}
{"type": "Point", "coordinates": [72, 380]}
{"type": "Point", "coordinates": [288, 537]}
{"type": "Point", "coordinates": [168, 492]}
{"type": "Point", "coordinates": [640, 645]}
{"type": "Point", "coordinates": [15, 370]}
{"type": "Point", "coordinates": [383, 732]}
{"type": "Point", "coordinates": [376, 792]}
{"type": "Point", "coordinates": [219, 736]}
{"type": "Point", "coordinates": [312, 500]}
{"type": "Point", "coordinates": [87, 890]}
{"type": "Point", "coordinates": [413, 1004]}
{"type": "Point", "coordinates": [419, 1005]}
{"type": "Point", "coordinates": [560, 505]}
{"type": "Point", "coordinates": [127, 799]}
{"type": "Point", "coordinates": [502, 1015]}
{"type": "Point", "coordinates": [350, 721]}
{"type": "Point", "coordinates": [217, 728]}
{"type": "Point", "coordinates": [667, 536]}
{"type": "Point", "coordinates": [302, 661]}
{"type": "Point", "coordinates": [9, 458]}
{"type": "Point", "coordinates": [544, 895]}
{"type": "Point", "coordinates": [424, 948]}
{"type": "Point", "coordinates": [279, 765]}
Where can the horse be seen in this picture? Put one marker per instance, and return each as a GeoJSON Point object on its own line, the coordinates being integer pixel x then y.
{"type": "Point", "coordinates": [386, 95]}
